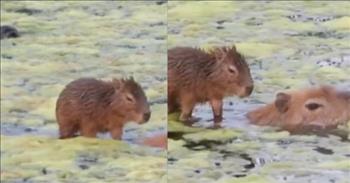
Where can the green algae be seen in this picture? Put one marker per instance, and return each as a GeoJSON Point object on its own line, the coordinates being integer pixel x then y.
{"type": "Point", "coordinates": [26, 157]}
{"type": "Point", "coordinates": [199, 11]}
{"type": "Point", "coordinates": [275, 135]}
{"type": "Point", "coordinates": [257, 49]}
{"type": "Point", "coordinates": [342, 23]}
{"type": "Point", "coordinates": [220, 135]}
{"type": "Point", "coordinates": [335, 165]}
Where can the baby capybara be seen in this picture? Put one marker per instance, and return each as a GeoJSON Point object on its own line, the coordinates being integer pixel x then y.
{"type": "Point", "coordinates": [311, 109]}
{"type": "Point", "coordinates": [90, 106]}
{"type": "Point", "coordinates": [196, 76]}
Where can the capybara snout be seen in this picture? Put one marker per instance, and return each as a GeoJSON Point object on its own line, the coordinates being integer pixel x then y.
{"type": "Point", "coordinates": [246, 91]}
{"type": "Point", "coordinates": [249, 90]}
{"type": "Point", "coordinates": [146, 116]}
{"type": "Point", "coordinates": [89, 106]}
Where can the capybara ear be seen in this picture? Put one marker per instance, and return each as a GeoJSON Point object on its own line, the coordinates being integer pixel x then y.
{"type": "Point", "coordinates": [117, 83]}
{"type": "Point", "coordinates": [220, 53]}
{"type": "Point", "coordinates": [233, 48]}
{"type": "Point", "coordinates": [282, 101]}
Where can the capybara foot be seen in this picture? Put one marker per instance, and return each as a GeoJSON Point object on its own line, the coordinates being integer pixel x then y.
{"type": "Point", "coordinates": [218, 119]}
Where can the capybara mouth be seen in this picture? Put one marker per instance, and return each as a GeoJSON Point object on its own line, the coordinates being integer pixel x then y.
{"type": "Point", "coordinates": [317, 126]}
{"type": "Point", "coordinates": [143, 121]}
{"type": "Point", "coordinates": [245, 92]}
{"type": "Point", "coordinates": [146, 117]}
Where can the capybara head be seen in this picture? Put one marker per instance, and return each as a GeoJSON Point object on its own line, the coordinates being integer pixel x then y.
{"type": "Point", "coordinates": [130, 100]}
{"type": "Point", "coordinates": [233, 70]}
{"type": "Point", "coordinates": [314, 108]}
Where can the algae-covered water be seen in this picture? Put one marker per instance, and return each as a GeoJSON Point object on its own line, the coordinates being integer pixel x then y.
{"type": "Point", "coordinates": [288, 45]}
{"type": "Point", "coordinates": [63, 41]}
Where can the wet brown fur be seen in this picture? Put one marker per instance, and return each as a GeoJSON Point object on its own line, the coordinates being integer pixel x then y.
{"type": "Point", "coordinates": [196, 76]}
{"type": "Point", "coordinates": [159, 141]}
{"type": "Point", "coordinates": [317, 108]}
{"type": "Point", "coordinates": [90, 106]}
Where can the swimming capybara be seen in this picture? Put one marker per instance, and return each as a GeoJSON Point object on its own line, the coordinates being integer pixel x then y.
{"type": "Point", "coordinates": [90, 106]}
{"type": "Point", "coordinates": [317, 108]}
{"type": "Point", "coordinates": [196, 76]}
{"type": "Point", "coordinates": [8, 32]}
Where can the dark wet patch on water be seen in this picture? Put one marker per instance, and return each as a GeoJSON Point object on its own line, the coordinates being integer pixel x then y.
{"type": "Point", "coordinates": [253, 21]}
{"type": "Point", "coordinates": [239, 175]}
{"type": "Point", "coordinates": [161, 2]}
{"type": "Point", "coordinates": [226, 155]}
{"type": "Point", "coordinates": [28, 11]}
{"type": "Point", "coordinates": [249, 166]}
{"type": "Point", "coordinates": [205, 144]}
{"type": "Point", "coordinates": [8, 32]}
{"type": "Point", "coordinates": [306, 18]}
{"type": "Point", "coordinates": [320, 34]}
{"type": "Point", "coordinates": [323, 150]}
{"type": "Point", "coordinates": [198, 146]}
{"type": "Point", "coordinates": [340, 61]}
{"type": "Point", "coordinates": [170, 159]}
{"type": "Point", "coordinates": [176, 135]}
{"type": "Point", "coordinates": [85, 160]}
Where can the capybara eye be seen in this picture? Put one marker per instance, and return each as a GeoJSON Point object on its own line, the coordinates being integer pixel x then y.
{"type": "Point", "coordinates": [313, 106]}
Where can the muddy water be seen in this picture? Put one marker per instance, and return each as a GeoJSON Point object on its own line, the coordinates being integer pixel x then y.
{"type": "Point", "coordinates": [287, 45]}
{"type": "Point", "coordinates": [63, 41]}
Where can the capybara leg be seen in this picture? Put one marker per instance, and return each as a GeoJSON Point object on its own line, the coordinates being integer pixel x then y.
{"type": "Point", "coordinates": [173, 105]}
{"type": "Point", "coordinates": [68, 130]}
{"type": "Point", "coordinates": [186, 112]}
{"type": "Point", "coordinates": [217, 109]}
{"type": "Point", "coordinates": [117, 133]}
{"type": "Point", "coordinates": [88, 130]}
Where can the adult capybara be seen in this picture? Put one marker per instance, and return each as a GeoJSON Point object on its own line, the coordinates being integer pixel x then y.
{"type": "Point", "coordinates": [196, 76]}
{"type": "Point", "coordinates": [90, 106]}
{"type": "Point", "coordinates": [311, 109]}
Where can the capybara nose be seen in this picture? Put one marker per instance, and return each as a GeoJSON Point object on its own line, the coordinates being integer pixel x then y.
{"type": "Point", "coordinates": [146, 116]}
{"type": "Point", "coordinates": [249, 90]}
